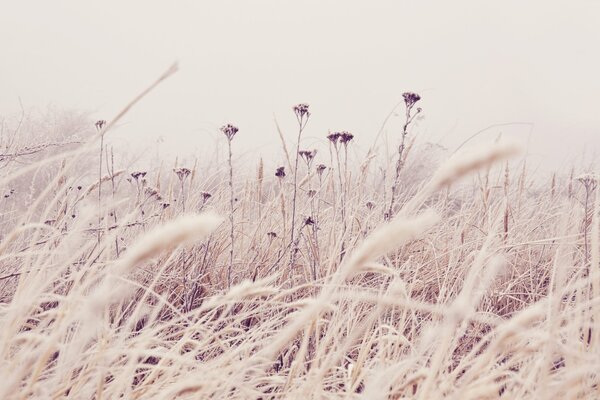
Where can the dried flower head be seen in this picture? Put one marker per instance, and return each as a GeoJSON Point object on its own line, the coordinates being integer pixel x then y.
{"type": "Point", "coordinates": [346, 137]}
{"type": "Point", "coordinates": [311, 193]}
{"type": "Point", "coordinates": [100, 124]}
{"type": "Point", "coordinates": [410, 99]}
{"type": "Point", "coordinates": [229, 130]}
{"type": "Point", "coordinates": [370, 205]}
{"type": "Point", "coordinates": [138, 174]}
{"type": "Point", "coordinates": [301, 110]}
{"type": "Point", "coordinates": [280, 172]}
{"type": "Point", "coordinates": [205, 196]}
{"type": "Point", "coordinates": [164, 205]}
{"type": "Point", "coordinates": [308, 156]}
{"type": "Point", "coordinates": [309, 221]}
{"type": "Point", "coordinates": [589, 181]}
{"type": "Point", "coordinates": [182, 173]}
{"type": "Point", "coordinates": [333, 137]}
{"type": "Point", "coordinates": [153, 192]}
{"type": "Point", "coordinates": [321, 168]}
{"type": "Point", "coordinates": [272, 235]}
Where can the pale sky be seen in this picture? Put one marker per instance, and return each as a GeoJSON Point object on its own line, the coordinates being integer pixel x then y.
{"type": "Point", "coordinates": [475, 63]}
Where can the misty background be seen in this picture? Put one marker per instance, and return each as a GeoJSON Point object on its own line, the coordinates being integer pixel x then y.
{"type": "Point", "coordinates": [528, 70]}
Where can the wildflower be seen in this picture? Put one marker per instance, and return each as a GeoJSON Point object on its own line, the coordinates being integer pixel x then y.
{"type": "Point", "coordinates": [153, 192]}
{"type": "Point", "coordinates": [280, 172]}
{"type": "Point", "coordinates": [370, 205]}
{"type": "Point", "coordinates": [346, 137]}
{"type": "Point", "coordinates": [205, 196]}
{"type": "Point", "coordinates": [229, 130]}
{"type": "Point", "coordinates": [333, 137]}
{"type": "Point", "coordinates": [100, 124]}
{"type": "Point", "coordinates": [301, 110]}
{"type": "Point", "coordinates": [320, 169]}
{"type": "Point", "coordinates": [589, 181]}
{"type": "Point", "coordinates": [309, 221]}
{"type": "Point", "coordinates": [271, 235]}
{"type": "Point", "coordinates": [182, 173]}
{"type": "Point", "coordinates": [138, 174]}
{"type": "Point", "coordinates": [311, 193]}
{"type": "Point", "coordinates": [410, 99]}
{"type": "Point", "coordinates": [308, 156]}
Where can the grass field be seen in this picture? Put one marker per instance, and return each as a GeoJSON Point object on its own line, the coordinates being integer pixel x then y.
{"type": "Point", "coordinates": [325, 278]}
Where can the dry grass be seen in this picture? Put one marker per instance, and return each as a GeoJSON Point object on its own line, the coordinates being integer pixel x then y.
{"type": "Point", "coordinates": [478, 288]}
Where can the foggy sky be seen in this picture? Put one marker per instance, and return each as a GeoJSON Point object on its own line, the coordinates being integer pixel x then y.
{"type": "Point", "coordinates": [474, 63]}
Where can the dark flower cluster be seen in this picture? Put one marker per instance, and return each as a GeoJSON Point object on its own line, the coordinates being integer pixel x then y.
{"type": "Point", "coordinates": [138, 174]}
{"type": "Point", "coordinates": [229, 130]}
{"type": "Point", "coordinates": [301, 110]}
{"type": "Point", "coordinates": [280, 172]}
{"type": "Point", "coordinates": [346, 137]}
{"type": "Point", "coordinates": [410, 99]}
{"type": "Point", "coordinates": [320, 169]}
{"type": "Point", "coordinates": [100, 124]}
{"type": "Point", "coordinates": [205, 196]}
{"type": "Point", "coordinates": [182, 173]}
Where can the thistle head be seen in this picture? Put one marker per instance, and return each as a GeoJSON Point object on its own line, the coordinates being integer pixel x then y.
{"type": "Point", "coordinates": [229, 130]}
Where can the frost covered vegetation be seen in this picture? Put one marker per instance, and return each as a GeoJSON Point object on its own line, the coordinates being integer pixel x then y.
{"type": "Point", "coordinates": [326, 277]}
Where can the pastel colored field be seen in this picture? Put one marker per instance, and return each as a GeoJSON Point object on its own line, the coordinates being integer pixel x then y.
{"type": "Point", "coordinates": [326, 277]}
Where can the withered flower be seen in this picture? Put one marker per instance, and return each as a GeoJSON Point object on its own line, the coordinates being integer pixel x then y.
{"type": "Point", "coordinates": [410, 99]}
{"type": "Point", "coordinates": [205, 196]}
{"type": "Point", "coordinates": [138, 174]}
{"type": "Point", "coordinates": [333, 137]}
{"type": "Point", "coordinates": [100, 124]}
{"type": "Point", "coordinates": [301, 110]}
{"type": "Point", "coordinates": [182, 173]}
{"type": "Point", "coordinates": [229, 130]}
{"type": "Point", "coordinates": [320, 169]}
{"type": "Point", "coordinates": [346, 137]}
{"type": "Point", "coordinates": [280, 172]}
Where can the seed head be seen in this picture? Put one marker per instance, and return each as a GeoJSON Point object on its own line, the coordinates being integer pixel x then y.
{"type": "Point", "coordinates": [280, 172]}
{"type": "Point", "coordinates": [370, 205]}
{"type": "Point", "coordinates": [301, 110]}
{"type": "Point", "coordinates": [271, 235]}
{"type": "Point", "coordinates": [346, 137]}
{"type": "Point", "coordinates": [138, 174]}
{"type": "Point", "coordinates": [333, 137]}
{"type": "Point", "coordinates": [320, 169]}
{"type": "Point", "coordinates": [100, 124]}
{"type": "Point", "coordinates": [311, 193]}
{"type": "Point", "coordinates": [182, 173]}
{"type": "Point", "coordinates": [206, 196]}
{"type": "Point", "coordinates": [309, 221]}
{"type": "Point", "coordinates": [410, 99]}
{"type": "Point", "coordinates": [229, 130]}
